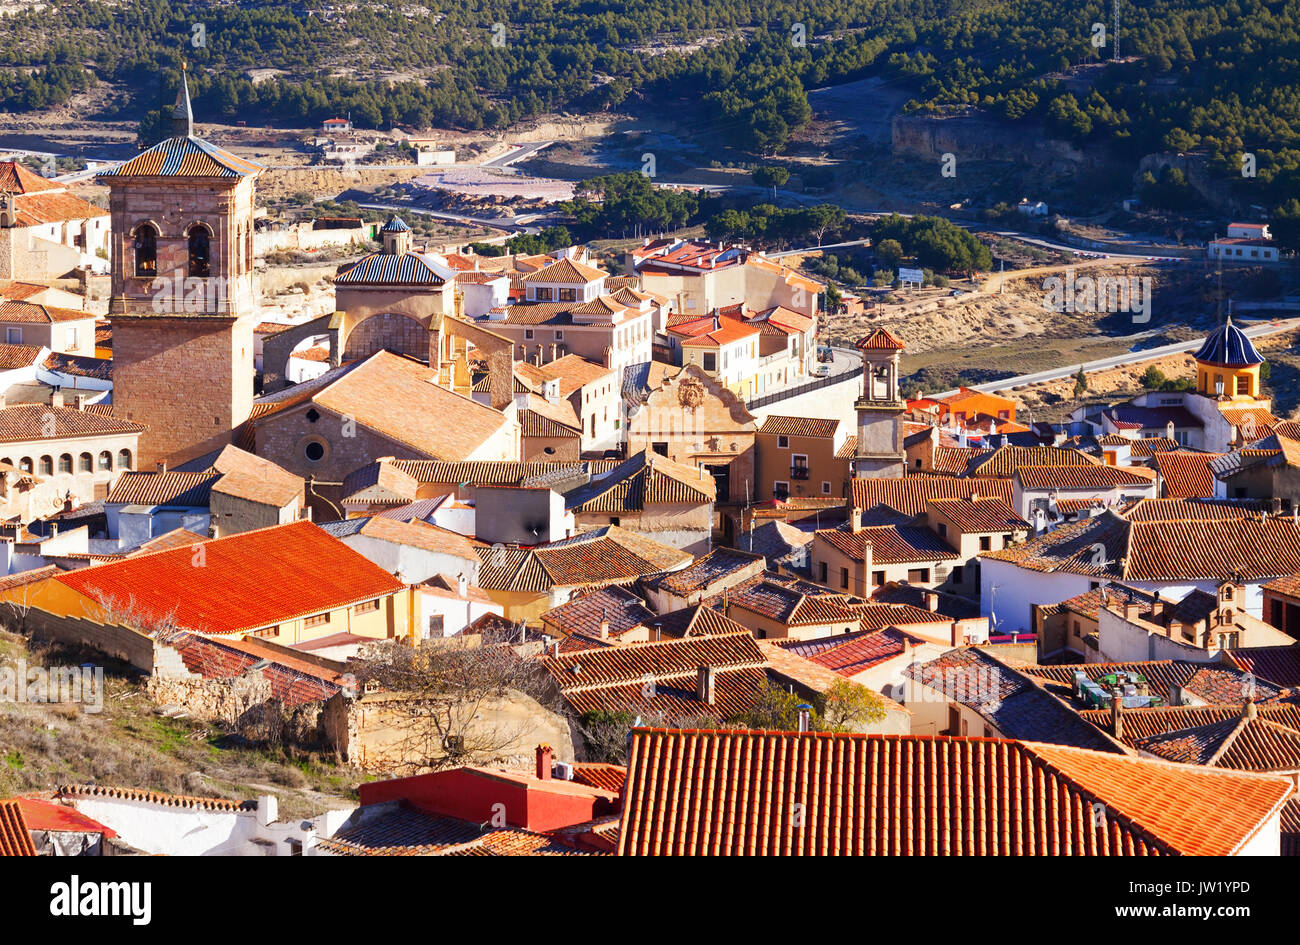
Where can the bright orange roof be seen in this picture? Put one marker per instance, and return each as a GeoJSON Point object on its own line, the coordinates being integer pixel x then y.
{"type": "Point", "coordinates": [739, 793]}
{"type": "Point", "coordinates": [240, 583]}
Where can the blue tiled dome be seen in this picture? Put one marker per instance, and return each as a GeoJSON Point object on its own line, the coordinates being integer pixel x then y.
{"type": "Point", "coordinates": [1228, 346]}
{"type": "Point", "coordinates": [394, 225]}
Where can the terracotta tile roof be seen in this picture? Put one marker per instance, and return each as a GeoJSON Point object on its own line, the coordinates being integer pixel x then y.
{"type": "Point", "coordinates": [53, 207]}
{"type": "Point", "coordinates": [1218, 684]}
{"type": "Point", "coordinates": [185, 157]}
{"type": "Point", "coordinates": [606, 555]}
{"type": "Point", "coordinates": [622, 609]}
{"type": "Point", "coordinates": [176, 538]}
{"type": "Point", "coordinates": [799, 426]}
{"type": "Point", "coordinates": [1191, 509]}
{"type": "Point", "coordinates": [1082, 477]}
{"type": "Point", "coordinates": [22, 578]}
{"type": "Point", "coordinates": [1245, 548]}
{"type": "Point", "coordinates": [397, 396]}
{"type": "Point", "coordinates": [607, 777]}
{"type": "Point", "coordinates": [955, 460]}
{"type": "Point", "coordinates": [852, 653]}
{"type": "Point", "coordinates": [535, 423]}
{"type": "Point", "coordinates": [153, 797]}
{"type": "Point", "coordinates": [14, 838]}
{"type": "Point", "coordinates": [644, 479]}
{"type": "Point", "coordinates": [986, 514]}
{"type": "Point", "coordinates": [951, 606]}
{"type": "Point", "coordinates": [739, 793]}
{"type": "Point", "coordinates": [706, 571]}
{"type": "Point", "coordinates": [724, 331]}
{"type": "Point", "coordinates": [486, 472]}
{"type": "Point", "coordinates": [17, 179]}
{"type": "Point", "coordinates": [248, 581]}
{"type": "Point", "coordinates": [32, 313]}
{"type": "Point", "coordinates": [879, 340]}
{"type": "Point", "coordinates": [566, 271]}
{"type": "Point", "coordinates": [1186, 475]}
{"type": "Point", "coordinates": [794, 609]}
{"type": "Point", "coordinates": [295, 682]}
{"type": "Point", "coordinates": [1005, 460]}
{"type": "Point", "coordinates": [19, 356]}
{"type": "Point", "coordinates": [695, 620]}
{"type": "Point", "coordinates": [573, 372]}
{"type": "Point", "coordinates": [163, 488]}
{"type": "Point", "coordinates": [22, 422]}
{"type": "Point", "coordinates": [1244, 743]}
{"type": "Point", "coordinates": [1008, 699]}
{"type": "Point", "coordinates": [255, 479]}
{"type": "Point", "coordinates": [910, 494]}
{"type": "Point", "coordinates": [417, 534]}
{"type": "Point", "coordinates": [1145, 722]}
{"type": "Point", "coordinates": [1277, 664]}
{"type": "Point", "coordinates": [890, 544]}
{"type": "Point", "coordinates": [1149, 446]}
{"type": "Point", "coordinates": [652, 679]}
{"type": "Point", "coordinates": [876, 615]}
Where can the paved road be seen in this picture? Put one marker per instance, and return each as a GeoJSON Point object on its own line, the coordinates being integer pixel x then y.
{"type": "Point", "coordinates": [500, 223]}
{"type": "Point", "coordinates": [517, 154]}
{"type": "Point", "coordinates": [1259, 330]}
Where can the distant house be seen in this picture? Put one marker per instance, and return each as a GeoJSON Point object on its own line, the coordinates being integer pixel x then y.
{"type": "Point", "coordinates": [1245, 243]}
{"type": "Point", "coordinates": [1031, 208]}
{"type": "Point", "coordinates": [45, 231]}
{"type": "Point", "coordinates": [50, 453]}
{"type": "Point", "coordinates": [334, 125]}
{"type": "Point", "coordinates": [222, 493]}
{"type": "Point", "coordinates": [287, 584]}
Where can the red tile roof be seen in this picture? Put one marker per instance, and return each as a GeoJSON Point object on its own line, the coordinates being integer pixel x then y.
{"type": "Point", "coordinates": [1186, 475]}
{"type": "Point", "coordinates": [986, 514]}
{"type": "Point", "coordinates": [242, 582]}
{"type": "Point", "coordinates": [799, 426]}
{"type": "Point", "coordinates": [48, 815]}
{"type": "Point", "coordinates": [1244, 743]}
{"type": "Point", "coordinates": [910, 494]}
{"type": "Point", "coordinates": [1081, 477]}
{"type": "Point", "coordinates": [14, 838]}
{"type": "Point", "coordinates": [784, 793]}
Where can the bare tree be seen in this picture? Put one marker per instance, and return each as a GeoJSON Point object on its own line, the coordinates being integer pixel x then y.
{"type": "Point", "coordinates": [444, 693]}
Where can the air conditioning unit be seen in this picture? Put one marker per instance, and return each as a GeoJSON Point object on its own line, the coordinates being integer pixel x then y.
{"type": "Point", "coordinates": [563, 770]}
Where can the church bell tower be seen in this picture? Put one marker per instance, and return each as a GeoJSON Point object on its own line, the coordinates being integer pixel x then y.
{"type": "Point", "coordinates": [880, 453]}
{"type": "Point", "coordinates": [183, 292]}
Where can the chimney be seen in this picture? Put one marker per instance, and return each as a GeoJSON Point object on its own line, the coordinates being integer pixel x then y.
{"type": "Point", "coordinates": [3, 404]}
{"type": "Point", "coordinates": [67, 502]}
{"type": "Point", "coordinates": [543, 762]}
{"type": "Point", "coordinates": [161, 466]}
{"type": "Point", "coordinates": [79, 401]}
{"type": "Point", "coordinates": [1117, 713]}
{"type": "Point", "coordinates": [805, 716]}
{"type": "Point", "coordinates": [931, 601]}
{"type": "Point", "coordinates": [267, 810]}
{"type": "Point", "coordinates": [955, 633]}
{"type": "Point", "coordinates": [555, 650]}
{"type": "Point", "coordinates": [705, 684]}
{"type": "Point", "coordinates": [604, 624]}
{"type": "Point", "coordinates": [56, 398]}
{"type": "Point", "coordinates": [462, 585]}
{"type": "Point", "coordinates": [855, 519]}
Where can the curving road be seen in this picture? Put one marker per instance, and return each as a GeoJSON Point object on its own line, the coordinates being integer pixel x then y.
{"type": "Point", "coordinates": [1258, 330]}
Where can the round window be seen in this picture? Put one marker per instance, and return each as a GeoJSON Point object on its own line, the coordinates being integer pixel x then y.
{"type": "Point", "coordinates": [314, 451]}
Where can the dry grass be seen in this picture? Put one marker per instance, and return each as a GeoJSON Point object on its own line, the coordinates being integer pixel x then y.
{"type": "Point", "coordinates": [129, 744]}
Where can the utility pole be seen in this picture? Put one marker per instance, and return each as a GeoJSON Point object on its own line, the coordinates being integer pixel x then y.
{"type": "Point", "coordinates": [1115, 6]}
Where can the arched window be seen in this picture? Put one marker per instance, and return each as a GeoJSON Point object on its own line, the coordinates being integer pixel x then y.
{"type": "Point", "coordinates": [65, 463]}
{"type": "Point", "coordinates": [7, 461]}
{"type": "Point", "coordinates": [47, 465]}
{"type": "Point", "coordinates": [123, 459]}
{"type": "Point", "coordinates": [85, 463]}
{"type": "Point", "coordinates": [106, 460]}
{"type": "Point", "coordinates": [146, 250]}
{"type": "Point", "coordinates": [25, 464]}
{"type": "Point", "coordinates": [200, 251]}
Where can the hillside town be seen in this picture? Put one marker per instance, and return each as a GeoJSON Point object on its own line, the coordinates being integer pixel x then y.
{"type": "Point", "coordinates": [565, 553]}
